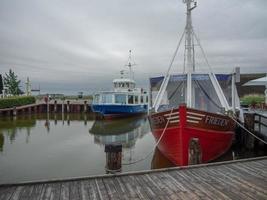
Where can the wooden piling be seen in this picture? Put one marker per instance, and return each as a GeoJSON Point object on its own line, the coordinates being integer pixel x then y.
{"type": "Point", "coordinates": [14, 111]}
{"type": "Point", "coordinates": [68, 106]}
{"type": "Point", "coordinates": [113, 158]}
{"type": "Point", "coordinates": [85, 107]}
{"type": "Point", "coordinates": [249, 124]}
{"type": "Point", "coordinates": [55, 106]}
{"type": "Point", "coordinates": [62, 107]}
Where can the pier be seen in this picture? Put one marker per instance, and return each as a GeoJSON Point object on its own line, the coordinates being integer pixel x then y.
{"type": "Point", "coordinates": [256, 123]}
{"type": "Point", "coordinates": [53, 106]}
{"type": "Point", "coordinates": [240, 179]}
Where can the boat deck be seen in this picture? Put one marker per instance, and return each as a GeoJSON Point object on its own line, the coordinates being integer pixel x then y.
{"type": "Point", "coordinates": [244, 179]}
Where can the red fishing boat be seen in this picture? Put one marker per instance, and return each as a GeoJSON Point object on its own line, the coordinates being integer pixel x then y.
{"type": "Point", "coordinates": [191, 114]}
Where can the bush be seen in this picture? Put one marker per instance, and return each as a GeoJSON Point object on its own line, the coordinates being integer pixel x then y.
{"type": "Point", "coordinates": [16, 101]}
{"type": "Point", "coordinates": [252, 100]}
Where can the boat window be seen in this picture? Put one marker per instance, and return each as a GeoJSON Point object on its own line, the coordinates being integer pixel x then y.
{"type": "Point", "coordinates": [136, 99]}
{"type": "Point", "coordinates": [127, 85]}
{"type": "Point", "coordinates": [96, 98]}
{"type": "Point", "coordinates": [141, 99]}
{"type": "Point", "coordinates": [225, 81]}
{"type": "Point", "coordinates": [120, 98]}
{"type": "Point", "coordinates": [174, 94]}
{"type": "Point", "coordinates": [204, 96]}
{"type": "Point", "coordinates": [107, 98]}
{"type": "Point", "coordinates": [130, 99]}
{"type": "Point", "coordinates": [146, 99]}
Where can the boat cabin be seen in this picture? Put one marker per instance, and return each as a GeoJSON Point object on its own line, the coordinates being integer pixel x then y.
{"type": "Point", "coordinates": [119, 98]}
{"type": "Point", "coordinates": [123, 84]}
{"type": "Point", "coordinates": [206, 92]}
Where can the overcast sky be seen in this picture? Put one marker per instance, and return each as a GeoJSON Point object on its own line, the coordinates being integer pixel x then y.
{"type": "Point", "coordinates": [81, 45]}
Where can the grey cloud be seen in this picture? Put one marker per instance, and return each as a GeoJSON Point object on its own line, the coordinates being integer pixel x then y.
{"type": "Point", "coordinates": [83, 44]}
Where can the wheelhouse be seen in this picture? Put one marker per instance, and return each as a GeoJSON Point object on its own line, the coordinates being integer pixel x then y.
{"type": "Point", "coordinates": [121, 98]}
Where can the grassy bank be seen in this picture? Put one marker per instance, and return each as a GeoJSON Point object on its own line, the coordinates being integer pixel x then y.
{"type": "Point", "coordinates": [252, 100]}
{"type": "Point", "coordinates": [11, 102]}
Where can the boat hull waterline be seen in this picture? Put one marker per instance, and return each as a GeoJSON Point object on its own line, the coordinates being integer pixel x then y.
{"type": "Point", "coordinates": [192, 136]}
{"type": "Point", "coordinates": [119, 111]}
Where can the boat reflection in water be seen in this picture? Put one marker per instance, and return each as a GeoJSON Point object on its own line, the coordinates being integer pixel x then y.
{"type": "Point", "coordinates": [119, 138]}
{"type": "Point", "coordinates": [160, 161]}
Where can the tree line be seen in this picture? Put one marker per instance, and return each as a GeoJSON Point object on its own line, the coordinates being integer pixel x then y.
{"type": "Point", "coordinates": [11, 83]}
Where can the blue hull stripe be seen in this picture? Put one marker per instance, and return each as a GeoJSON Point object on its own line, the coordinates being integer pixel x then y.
{"type": "Point", "coordinates": [119, 109]}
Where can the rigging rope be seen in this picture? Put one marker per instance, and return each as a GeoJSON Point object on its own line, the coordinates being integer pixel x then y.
{"type": "Point", "coordinates": [206, 94]}
{"type": "Point", "coordinates": [168, 71]}
{"type": "Point", "coordinates": [248, 130]}
{"type": "Point", "coordinates": [202, 50]}
{"type": "Point", "coordinates": [145, 157]}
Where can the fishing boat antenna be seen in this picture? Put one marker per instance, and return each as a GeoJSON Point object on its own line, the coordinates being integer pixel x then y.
{"type": "Point", "coordinates": [189, 55]}
{"type": "Point", "coordinates": [130, 65]}
{"type": "Point", "coordinates": [189, 36]}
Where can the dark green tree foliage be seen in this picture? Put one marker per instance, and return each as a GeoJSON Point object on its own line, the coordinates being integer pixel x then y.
{"type": "Point", "coordinates": [1, 84]}
{"type": "Point", "coordinates": [12, 83]}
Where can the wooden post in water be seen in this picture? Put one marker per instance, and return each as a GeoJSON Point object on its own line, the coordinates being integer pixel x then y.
{"type": "Point", "coordinates": [194, 152]}
{"type": "Point", "coordinates": [30, 110]}
{"type": "Point", "coordinates": [63, 107]}
{"type": "Point", "coordinates": [55, 106]}
{"type": "Point", "coordinates": [68, 106]}
{"type": "Point", "coordinates": [249, 124]}
{"type": "Point", "coordinates": [113, 158]}
{"type": "Point", "coordinates": [85, 107]}
{"type": "Point", "coordinates": [14, 111]}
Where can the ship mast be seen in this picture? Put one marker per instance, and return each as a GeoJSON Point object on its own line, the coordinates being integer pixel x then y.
{"type": "Point", "coordinates": [189, 51]}
{"type": "Point", "coordinates": [131, 75]}
{"type": "Point", "coordinates": [189, 36]}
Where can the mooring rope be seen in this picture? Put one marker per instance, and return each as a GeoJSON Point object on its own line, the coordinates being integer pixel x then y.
{"type": "Point", "coordinates": [248, 130]}
{"type": "Point", "coordinates": [145, 157]}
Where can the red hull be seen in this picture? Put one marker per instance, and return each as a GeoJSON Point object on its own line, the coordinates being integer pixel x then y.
{"type": "Point", "coordinates": [192, 138]}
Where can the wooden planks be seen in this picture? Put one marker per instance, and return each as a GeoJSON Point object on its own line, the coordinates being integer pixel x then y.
{"type": "Point", "coordinates": [239, 180]}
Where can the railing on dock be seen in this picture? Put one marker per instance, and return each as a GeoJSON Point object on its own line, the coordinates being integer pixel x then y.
{"type": "Point", "coordinates": [260, 124]}
{"type": "Point", "coordinates": [53, 106]}
{"type": "Point", "coordinates": [256, 123]}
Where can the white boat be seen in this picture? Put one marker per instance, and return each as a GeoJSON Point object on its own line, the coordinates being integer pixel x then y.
{"type": "Point", "coordinates": [125, 99]}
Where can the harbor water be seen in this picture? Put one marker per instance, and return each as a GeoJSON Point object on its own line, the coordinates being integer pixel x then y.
{"type": "Point", "coordinates": [58, 146]}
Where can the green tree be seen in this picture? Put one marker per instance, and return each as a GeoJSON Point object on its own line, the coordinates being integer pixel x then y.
{"type": "Point", "coordinates": [1, 84]}
{"type": "Point", "coordinates": [12, 83]}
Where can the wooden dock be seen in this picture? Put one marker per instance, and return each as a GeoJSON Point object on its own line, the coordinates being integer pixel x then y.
{"type": "Point", "coordinates": [53, 106]}
{"type": "Point", "coordinates": [244, 179]}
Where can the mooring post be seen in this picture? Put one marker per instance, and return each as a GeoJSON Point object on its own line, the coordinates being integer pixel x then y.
{"type": "Point", "coordinates": [35, 109]}
{"type": "Point", "coordinates": [30, 110]}
{"type": "Point", "coordinates": [249, 124]}
{"type": "Point", "coordinates": [68, 106]}
{"type": "Point", "coordinates": [85, 107]}
{"type": "Point", "coordinates": [55, 106]}
{"type": "Point", "coordinates": [68, 119]}
{"type": "Point", "coordinates": [62, 107]}
{"type": "Point", "coordinates": [85, 119]}
{"type": "Point", "coordinates": [194, 152]}
{"type": "Point", "coordinates": [14, 111]}
{"type": "Point", "coordinates": [113, 158]}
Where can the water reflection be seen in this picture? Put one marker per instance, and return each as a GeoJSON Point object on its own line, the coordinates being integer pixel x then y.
{"type": "Point", "coordinates": [11, 126]}
{"type": "Point", "coordinates": [160, 161]}
{"type": "Point", "coordinates": [120, 131]}
{"type": "Point", "coordinates": [119, 138]}
{"type": "Point", "coordinates": [2, 140]}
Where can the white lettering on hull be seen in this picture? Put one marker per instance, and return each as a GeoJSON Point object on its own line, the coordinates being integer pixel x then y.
{"type": "Point", "coordinates": [216, 121]}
